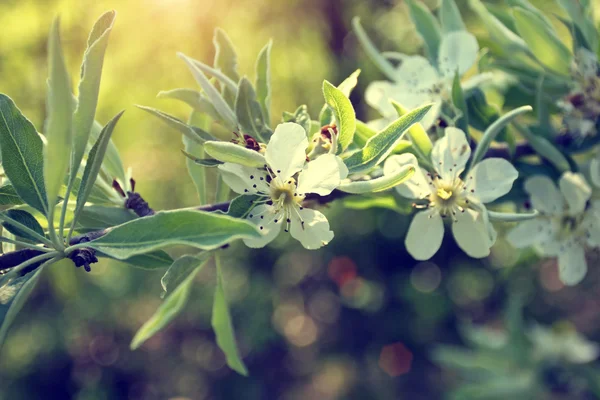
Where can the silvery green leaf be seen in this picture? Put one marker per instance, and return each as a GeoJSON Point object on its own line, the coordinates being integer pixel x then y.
{"type": "Point", "coordinates": [181, 268]}
{"type": "Point", "coordinates": [301, 117]}
{"type": "Point", "coordinates": [458, 99]}
{"type": "Point", "coordinates": [241, 205]}
{"type": "Point", "coordinates": [510, 217]}
{"type": "Point", "coordinates": [167, 311]}
{"type": "Point", "coordinates": [428, 27]}
{"type": "Point", "coordinates": [231, 152]}
{"type": "Point", "coordinates": [89, 87]}
{"type": "Point", "coordinates": [96, 217]}
{"type": "Point", "coordinates": [493, 130]}
{"type": "Point", "coordinates": [205, 162]}
{"type": "Point", "coordinates": [8, 196]}
{"type": "Point", "coordinates": [499, 33]}
{"type": "Point", "coordinates": [93, 166]}
{"type": "Point", "coordinates": [22, 155]}
{"type": "Point", "coordinates": [363, 133]}
{"type": "Point", "coordinates": [12, 299]}
{"type": "Point", "coordinates": [384, 65]}
{"type": "Point", "coordinates": [419, 138]}
{"type": "Point", "coordinates": [194, 99]}
{"type": "Point", "coordinates": [198, 229]}
{"type": "Point", "coordinates": [23, 225]}
{"type": "Point", "coordinates": [223, 327]}
{"type": "Point", "coordinates": [582, 17]}
{"type": "Point", "coordinates": [343, 111]}
{"type": "Point", "coordinates": [249, 114]}
{"type": "Point", "coordinates": [380, 184]}
{"type": "Point", "coordinates": [112, 165]}
{"type": "Point", "coordinates": [226, 61]}
{"type": "Point", "coordinates": [197, 172]}
{"type": "Point", "coordinates": [545, 149]}
{"type": "Point", "coordinates": [225, 112]}
{"type": "Point", "coordinates": [543, 41]}
{"type": "Point", "coordinates": [149, 261]}
{"type": "Point", "coordinates": [263, 80]}
{"type": "Point", "coordinates": [380, 146]}
{"type": "Point", "coordinates": [347, 85]}
{"type": "Point", "coordinates": [192, 132]}
{"type": "Point", "coordinates": [58, 132]}
{"type": "Point", "coordinates": [226, 81]}
{"type": "Point", "coordinates": [450, 17]}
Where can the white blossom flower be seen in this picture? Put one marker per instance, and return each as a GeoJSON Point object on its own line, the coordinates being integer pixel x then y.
{"type": "Point", "coordinates": [282, 185]}
{"type": "Point", "coordinates": [443, 194]}
{"type": "Point", "coordinates": [568, 222]}
{"type": "Point", "coordinates": [418, 82]}
{"type": "Point", "coordinates": [562, 343]}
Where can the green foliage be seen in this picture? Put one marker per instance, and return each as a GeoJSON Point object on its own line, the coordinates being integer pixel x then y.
{"type": "Point", "coordinates": [450, 18]}
{"type": "Point", "coordinates": [22, 218]}
{"type": "Point", "coordinates": [344, 114]}
{"type": "Point", "coordinates": [263, 80]}
{"type": "Point", "coordinates": [8, 196]}
{"type": "Point", "coordinates": [231, 152]}
{"type": "Point", "coordinates": [428, 27]}
{"type": "Point", "coordinates": [191, 132]}
{"type": "Point", "coordinates": [380, 184]}
{"type": "Point", "coordinates": [249, 113]}
{"type": "Point", "coordinates": [301, 117]}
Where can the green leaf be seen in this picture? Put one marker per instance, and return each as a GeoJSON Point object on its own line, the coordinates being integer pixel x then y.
{"type": "Point", "coordinates": [112, 165]}
{"type": "Point", "coordinates": [384, 65]}
{"type": "Point", "coordinates": [194, 99]}
{"type": "Point", "coordinates": [225, 112]}
{"type": "Point", "coordinates": [59, 140]}
{"type": "Point", "coordinates": [301, 117]}
{"type": "Point", "coordinates": [543, 41]}
{"type": "Point", "coordinates": [347, 85]}
{"type": "Point", "coordinates": [93, 165]}
{"type": "Point", "coordinates": [199, 229]}
{"type": "Point", "coordinates": [89, 87]}
{"type": "Point", "coordinates": [450, 17]}
{"type": "Point", "coordinates": [181, 268]}
{"type": "Point", "coordinates": [149, 261]}
{"type": "Point", "coordinates": [197, 172]}
{"type": "Point", "coordinates": [545, 149]}
{"type": "Point", "coordinates": [419, 138]}
{"type": "Point", "coordinates": [458, 99]}
{"type": "Point", "coordinates": [582, 17]}
{"type": "Point", "coordinates": [363, 133]}
{"type": "Point", "coordinates": [223, 327]}
{"type": "Point", "coordinates": [234, 153]}
{"type": "Point", "coordinates": [344, 114]}
{"type": "Point", "coordinates": [12, 299]}
{"type": "Point", "coordinates": [481, 113]}
{"type": "Point", "coordinates": [22, 155]}
{"type": "Point", "coordinates": [510, 217]}
{"type": "Point", "coordinates": [367, 202]}
{"type": "Point", "coordinates": [9, 196]}
{"type": "Point", "coordinates": [490, 134]}
{"type": "Point", "coordinates": [241, 205]}
{"type": "Point", "coordinates": [226, 61]}
{"type": "Point", "coordinates": [263, 80]}
{"type": "Point", "coordinates": [95, 217]}
{"type": "Point", "coordinates": [381, 145]}
{"type": "Point", "coordinates": [26, 219]}
{"type": "Point", "coordinates": [380, 184]}
{"type": "Point", "coordinates": [249, 113]}
{"type": "Point", "coordinates": [428, 27]}
{"type": "Point", "coordinates": [205, 162]}
{"type": "Point", "coordinates": [228, 85]}
{"type": "Point", "coordinates": [196, 134]}
{"type": "Point", "coordinates": [167, 311]}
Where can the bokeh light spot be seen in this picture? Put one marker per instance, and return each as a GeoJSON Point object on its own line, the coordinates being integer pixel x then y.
{"type": "Point", "coordinates": [426, 277]}
{"type": "Point", "coordinates": [342, 270]}
{"type": "Point", "coordinates": [395, 359]}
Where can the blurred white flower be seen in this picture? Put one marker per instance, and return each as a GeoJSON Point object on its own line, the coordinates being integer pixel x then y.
{"type": "Point", "coordinates": [282, 185]}
{"type": "Point", "coordinates": [418, 82]}
{"type": "Point", "coordinates": [568, 222]}
{"type": "Point", "coordinates": [562, 344]}
{"type": "Point", "coordinates": [444, 194]}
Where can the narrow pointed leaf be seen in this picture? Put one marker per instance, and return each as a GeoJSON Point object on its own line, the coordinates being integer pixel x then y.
{"type": "Point", "coordinates": [379, 184]}
{"type": "Point", "coordinates": [194, 133]}
{"type": "Point", "coordinates": [347, 85]}
{"type": "Point", "coordinates": [112, 165]}
{"type": "Point", "coordinates": [149, 261]}
{"type": "Point", "coordinates": [249, 114]}
{"type": "Point", "coordinates": [199, 229]}
{"type": "Point", "coordinates": [181, 268]}
{"type": "Point", "coordinates": [205, 162]}
{"type": "Point", "coordinates": [227, 82]}
{"type": "Point", "coordinates": [343, 111]}
{"type": "Point", "coordinates": [223, 327]}
{"type": "Point", "coordinates": [231, 152]}
{"type": "Point", "coordinates": [167, 311]}
{"type": "Point", "coordinates": [493, 131]}
{"type": "Point", "coordinates": [263, 81]}
{"type": "Point", "coordinates": [545, 149]}
{"type": "Point", "coordinates": [194, 99]}
{"type": "Point", "coordinates": [9, 196]}
{"type": "Point", "coordinates": [57, 151]}
{"type": "Point", "coordinates": [197, 173]}
{"type": "Point", "coordinates": [450, 17]}
{"type": "Point", "coordinates": [22, 155]}
{"type": "Point", "coordinates": [225, 112]}
{"type": "Point", "coordinates": [419, 138]}
{"type": "Point", "coordinates": [89, 87]}
{"type": "Point", "coordinates": [226, 61]}
{"type": "Point", "coordinates": [510, 217]}
{"type": "Point", "coordinates": [428, 27]}
{"type": "Point", "coordinates": [458, 99]}
{"type": "Point", "coordinates": [26, 219]}
{"type": "Point", "coordinates": [384, 65]}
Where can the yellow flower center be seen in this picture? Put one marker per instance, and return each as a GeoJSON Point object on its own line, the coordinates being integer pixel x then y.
{"type": "Point", "coordinates": [444, 194]}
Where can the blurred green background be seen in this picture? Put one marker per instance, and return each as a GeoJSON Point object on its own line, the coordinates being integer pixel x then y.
{"type": "Point", "coordinates": [356, 320]}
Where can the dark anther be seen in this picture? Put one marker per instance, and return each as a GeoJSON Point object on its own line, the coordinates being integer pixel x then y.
{"type": "Point", "coordinates": [326, 131]}
{"type": "Point", "coordinates": [118, 188]}
{"type": "Point", "coordinates": [251, 143]}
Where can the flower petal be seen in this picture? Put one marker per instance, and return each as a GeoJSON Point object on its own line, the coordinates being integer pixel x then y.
{"type": "Point", "coordinates": [458, 52]}
{"type": "Point", "coordinates": [572, 265]}
{"type": "Point", "coordinates": [269, 222]}
{"type": "Point", "coordinates": [425, 235]}
{"type": "Point", "coordinates": [416, 72]}
{"type": "Point", "coordinates": [314, 233]}
{"type": "Point", "coordinates": [321, 175]}
{"type": "Point", "coordinates": [451, 153]}
{"type": "Point", "coordinates": [530, 232]}
{"type": "Point", "coordinates": [244, 180]}
{"type": "Point", "coordinates": [417, 187]}
{"type": "Point", "coordinates": [544, 195]}
{"type": "Point", "coordinates": [378, 95]}
{"type": "Point", "coordinates": [472, 234]}
{"type": "Point", "coordinates": [286, 151]}
{"type": "Point", "coordinates": [491, 178]}
{"type": "Point", "coordinates": [576, 191]}
{"type": "Point", "coordinates": [595, 171]}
